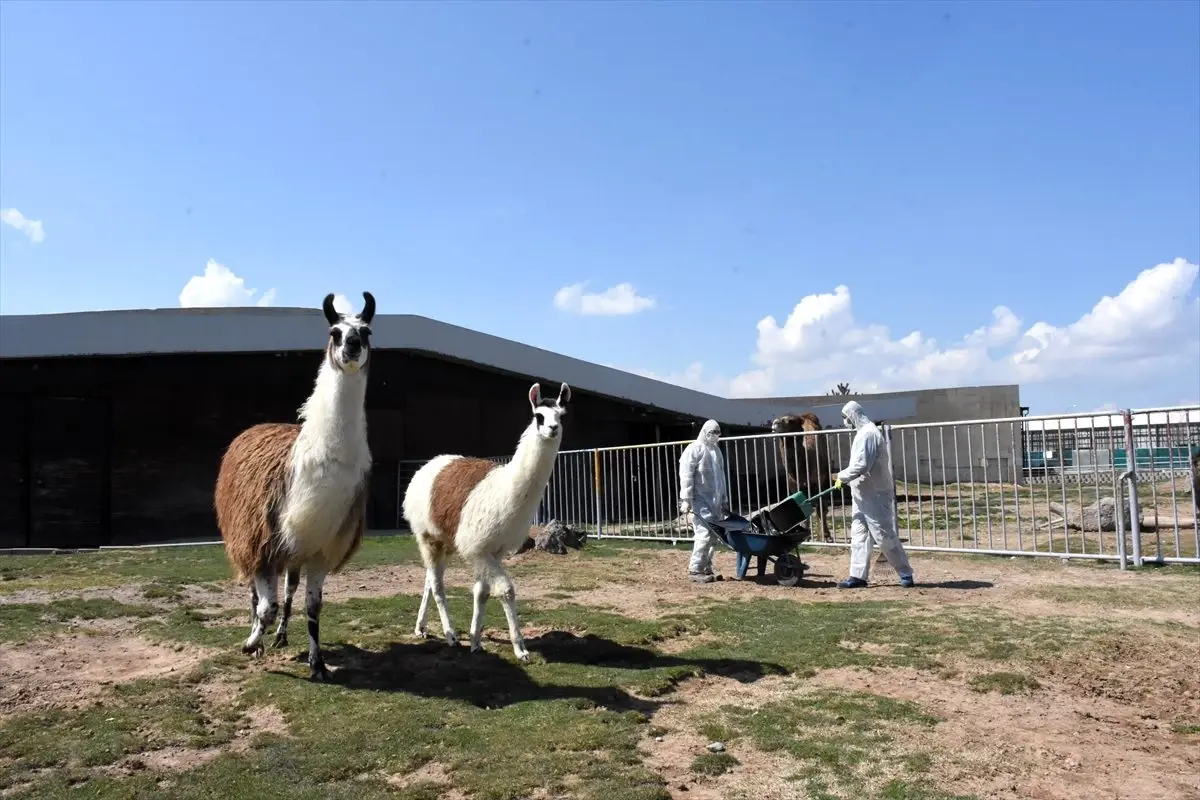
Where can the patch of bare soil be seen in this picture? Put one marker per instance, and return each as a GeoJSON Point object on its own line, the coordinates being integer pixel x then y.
{"type": "Point", "coordinates": [130, 594]}
{"type": "Point", "coordinates": [254, 722]}
{"type": "Point", "coordinates": [432, 772]}
{"type": "Point", "coordinates": [67, 671]}
{"type": "Point", "coordinates": [1154, 673]}
{"type": "Point", "coordinates": [1046, 745]}
{"type": "Point", "coordinates": [675, 743]}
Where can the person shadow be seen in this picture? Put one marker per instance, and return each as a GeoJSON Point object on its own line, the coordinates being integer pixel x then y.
{"type": "Point", "coordinates": [960, 585]}
{"type": "Point", "coordinates": [486, 680]}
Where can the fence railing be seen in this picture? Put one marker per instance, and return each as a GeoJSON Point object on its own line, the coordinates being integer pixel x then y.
{"type": "Point", "coordinates": [971, 486]}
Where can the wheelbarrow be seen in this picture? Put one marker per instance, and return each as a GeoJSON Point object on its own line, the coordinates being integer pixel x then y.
{"type": "Point", "coordinates": [772, 535]}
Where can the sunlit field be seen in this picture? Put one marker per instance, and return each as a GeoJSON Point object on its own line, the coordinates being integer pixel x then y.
{"type": "Point", "coordinates": [995, 677]}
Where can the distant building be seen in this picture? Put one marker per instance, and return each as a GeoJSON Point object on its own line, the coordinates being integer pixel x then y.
{"type": "Point", "coordinates": [114, 422]}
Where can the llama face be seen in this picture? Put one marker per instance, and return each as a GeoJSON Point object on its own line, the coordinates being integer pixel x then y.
{"type": "Point", "coordinates": [349, 345]}
{"type": "Point", "coordinates": [548, 414]}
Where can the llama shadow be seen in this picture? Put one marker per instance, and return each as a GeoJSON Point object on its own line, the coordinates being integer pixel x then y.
{"type": "Point", "coordinates": [562, 647]}
{"type": "Point", "coordinates": [486, 680]}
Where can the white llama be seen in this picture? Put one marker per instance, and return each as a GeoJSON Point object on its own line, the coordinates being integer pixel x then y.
{"type": "Point", "coordinates": [483, 511]}
{"type": "Point", "coordinates": [292, 496]}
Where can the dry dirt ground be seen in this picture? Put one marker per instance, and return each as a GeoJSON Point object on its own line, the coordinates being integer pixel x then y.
{"type": "Point", "coordinates": [1113, 714]}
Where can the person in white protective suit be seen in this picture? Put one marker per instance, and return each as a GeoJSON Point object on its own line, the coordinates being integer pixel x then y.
{"type": "Point", "coordinates": [703, 491]}
{"type": "Point", "coordinates": [872, 490]}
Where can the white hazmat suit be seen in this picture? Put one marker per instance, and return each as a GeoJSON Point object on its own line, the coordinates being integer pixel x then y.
{"type": "Point", "coordinates": [702, 489]}
{"type": "Point", "coordinates": [872, 490]}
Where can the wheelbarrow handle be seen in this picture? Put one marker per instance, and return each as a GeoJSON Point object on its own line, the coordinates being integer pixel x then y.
{"type": "Point", "coordinates": [822, 494]}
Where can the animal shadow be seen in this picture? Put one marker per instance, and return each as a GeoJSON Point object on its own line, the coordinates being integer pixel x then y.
{"type": "Point", "coordinates": [566, 648]}
{"type": "Point", "coordinates": [484, 679]}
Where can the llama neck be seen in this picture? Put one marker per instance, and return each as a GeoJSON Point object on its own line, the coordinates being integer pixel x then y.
{"type": "Point", "coordinates": [532, 462]}
{"type": "Point", "coordinates": [334, 413]}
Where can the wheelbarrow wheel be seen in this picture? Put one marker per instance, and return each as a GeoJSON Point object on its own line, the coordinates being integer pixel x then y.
{"type": "Point", "coordinates": [788, 570]}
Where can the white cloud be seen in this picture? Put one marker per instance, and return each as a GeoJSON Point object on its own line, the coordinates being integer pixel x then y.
{"type": "Point", "coordinates": [619, 299]}
{"type": "Point", "coordinates": [30, 227]}
{"type": "Point", "coordinates": [1151, 329]}
{"type": "Point", "coordinates": [692, 378]}
{"type": "Point", "coordinates": [218, 286]}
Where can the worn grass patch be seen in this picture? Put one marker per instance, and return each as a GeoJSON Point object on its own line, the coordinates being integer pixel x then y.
{"type": "Point", "coordinates": [808, 637]}
{"type": "Point", "coordinates": [839, 738]}
{"type": "Point", "coordinates": [1156, 595]}
{"type": "Point", "coordinates": [1004, 683]}
{"type": "Point", "coordinates": [166, 567]}
{"type": "Point", "coordinates": [131, 718]}
{"type": "Point", "coordinates": [23, 621]}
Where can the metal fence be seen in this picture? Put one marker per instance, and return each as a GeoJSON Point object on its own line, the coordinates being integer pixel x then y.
{"type": "Point", "coordinates": [975, 486]}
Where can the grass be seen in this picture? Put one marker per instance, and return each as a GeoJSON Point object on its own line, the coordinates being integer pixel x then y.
{"type": "Point", "coordinates": [22, 621]}
{"type": "Point", "coordinates": [713, 764]}
{"type": "Point", "coordinates": [840, 739]}
{"type": "Point", "coordinates": [167, 569]}
{"type": "Point", "coordinates": [412, 719]}
{"type": "Point", "coordinates": [1004, 683]}
{"type": "Point", "coordinates": [1124, 597]}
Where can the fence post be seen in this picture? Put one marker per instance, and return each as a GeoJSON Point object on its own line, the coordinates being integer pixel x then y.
{"type": "Point", "coordinates": [1122, 556]}
{"type": "Point", "coordinates": [1134, 512]}
{"type": "Point", "coordinates": [887, 438]}
{"type": "Point", "coordinates": [596, 485]}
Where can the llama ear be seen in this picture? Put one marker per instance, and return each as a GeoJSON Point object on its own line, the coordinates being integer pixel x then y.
{"type": "Point", "coordinates": [368, 312]}
{"type": "Point", "coordinates": [564, 395]}
{"type": "Point", "coordinates": [331, 314]}
{"type": "Point", "coordinates": [535, 394]}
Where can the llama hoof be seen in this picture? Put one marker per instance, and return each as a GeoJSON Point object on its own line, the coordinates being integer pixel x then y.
{"type": "Point", "coordinates": [319, 673]}
{"type": "Point", "coordinates": [255, 649]}
{"type": "Point", "coordinates": [522, 656]}
{"type": "Point", "coordinates": [280, 640]}
{"type": "Point", "coordinates": [476, 647]}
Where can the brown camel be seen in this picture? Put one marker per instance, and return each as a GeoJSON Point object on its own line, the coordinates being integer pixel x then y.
{"type": "Point", "coordinates": [806, 461]}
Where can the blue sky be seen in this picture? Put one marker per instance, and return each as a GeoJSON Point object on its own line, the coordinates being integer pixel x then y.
{"type": "Point", "coordinates": [729, 162]}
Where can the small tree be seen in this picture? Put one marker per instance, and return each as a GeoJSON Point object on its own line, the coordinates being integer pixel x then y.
{"type": "Point", "coordinates": [842, 390]}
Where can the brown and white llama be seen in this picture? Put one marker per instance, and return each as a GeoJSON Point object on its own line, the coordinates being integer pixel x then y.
{"type": "Point", "coordinates": [292, 496]}
{"type": "Point", "coordinates": [482, 510]}
{"type": "Point", "coordinates": [806, 461]}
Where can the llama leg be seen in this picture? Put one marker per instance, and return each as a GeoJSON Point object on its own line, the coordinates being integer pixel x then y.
{"type": "Point", "coordinates": [502, 585]}
{"type": "Point", "coordinates": [426, 593]}
{"type": "Point", "coordinates": [480, 592]}
{"type": "Point", "coordinates": [437, 573]}
{"type": "Point", "coordinates": [253, 603]}
{"type": "Point", "coordinates": [314, 583]}
{"type": "Point", "coordinates": [266, 586]}
{"type": "Point", "coordinates": [289, 590]}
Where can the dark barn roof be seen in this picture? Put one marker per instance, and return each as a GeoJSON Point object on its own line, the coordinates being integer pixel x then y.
{"type": "Point", "coordinates": [233, 330]}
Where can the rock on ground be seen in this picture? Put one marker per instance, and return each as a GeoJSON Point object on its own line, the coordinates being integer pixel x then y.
{"type": "Point", "coordinates": [555, 537]}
